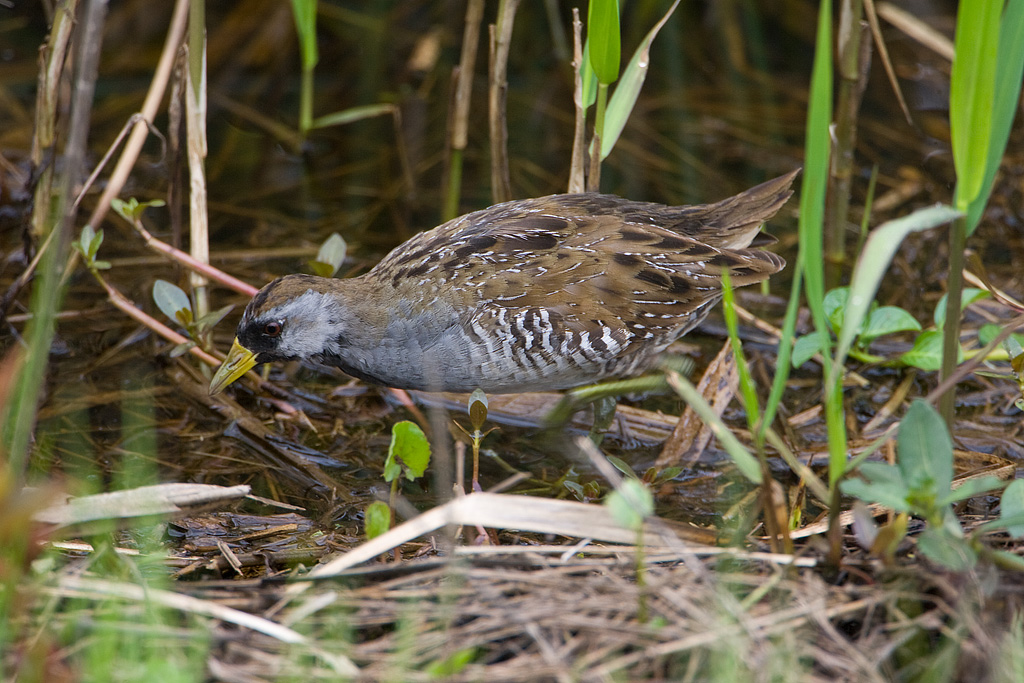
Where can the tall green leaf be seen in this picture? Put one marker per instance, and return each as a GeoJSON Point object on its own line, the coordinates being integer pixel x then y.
{"type": "Point", "coordinates": [621, 104]}
{"type": "Point", "coordinates": [812, 211]}
{"type": "Point", "coordinates": [873, 263]}
{"type": "Point", "coordinates": [305, 26]}
{"type": "Point", "coordinates": [972, 90]}
{"type": "Point", "coordinates": [604, 39]}
{"type": "Point", "coordinates": [925, 450]}
{"type": "Point", "coordinates": [1009, 72]}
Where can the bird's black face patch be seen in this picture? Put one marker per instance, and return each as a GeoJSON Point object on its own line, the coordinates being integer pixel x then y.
{"type": "Point", "coordinates": [263, 338]}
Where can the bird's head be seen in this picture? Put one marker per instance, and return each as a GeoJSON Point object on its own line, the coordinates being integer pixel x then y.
{"type": "Point", "coordinates": [296, 316]}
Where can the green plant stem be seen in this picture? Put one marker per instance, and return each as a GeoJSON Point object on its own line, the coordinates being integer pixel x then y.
{"type": "Point", "coordinates": [476, 460]}
{"type": "Point", "coordinates": [306, 101]}
{"type": "Point", "coordinates": [785, 353]}
{"type": "Point", "coordinates": [951, 330]}
{"type": "Point", "coordinates": [393, 498]}
{"type": "Point", "coordinates": [835, 531]}
{"type": "Point", "coordinates": [602, 105]}
{"type": "Point", "coordinates": [864, 356]}
{"type": "Point", "coordinates": [747, 389]}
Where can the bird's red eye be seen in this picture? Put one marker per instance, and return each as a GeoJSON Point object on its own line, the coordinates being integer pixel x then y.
{"type": "Point", "coordinates": [272, 329]}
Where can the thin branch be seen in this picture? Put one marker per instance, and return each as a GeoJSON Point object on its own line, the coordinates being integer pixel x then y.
{"type": "Point", "coordinates": [501, 37]}
{"type": "Point", "coordinates": [576, 174]}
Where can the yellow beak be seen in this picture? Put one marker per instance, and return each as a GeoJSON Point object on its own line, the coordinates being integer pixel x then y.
{"type": "Point", "coordinates": [240, 360]}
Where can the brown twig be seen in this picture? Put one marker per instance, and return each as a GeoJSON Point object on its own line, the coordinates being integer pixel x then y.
{"type": "Point", "coordinates": [125, 305]}
{"type": "Point", "coordinates": [192, 264]}
{"type": "Point", "coordinates": [577, 163]}
{"type": "Point", "coordinates": [460, 106]}
{"type": "Point", "coordinates": [501, 37]}
{"type": "Point", "coordinates": [195, 147]}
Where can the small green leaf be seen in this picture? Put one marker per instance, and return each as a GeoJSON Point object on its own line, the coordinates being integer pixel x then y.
{"type": "Point", "coordinates": [668, 474]}
{"type": "Point", "coordinates": [881, 483]}
{"type": "Point", "coordinates": [332, 253]}
{"type": "Point", "coordinates": [621, 465]}
{"type": "Point", "coordinates": [1014, 344]}
{"type": "Point", "coordinates": [409, 451]}
{"type": "Point", "coordinates": [834, 305]}
{"type": "Point", "coordinates": [874, 261]}
{"type": "Point", "coordinates": [321, 269]}
{"type": "Point", "coordinates": [969, 296]}
{"type": "Point", "coordinates": [377, 519]}
{"type": "Point", "coordinates": [971, 488]}
{"type": "Point", "coordinates": [925, 450]}
{"type": "Point", "coordinates": [630, 504]}
{"type": "Point", "coordinates": [620, 106]}
{"type": "Point", "coordinates": [392, 468]}
{"type": "Point", "coordinates": [125, 209]}
{"type": "Point", "coordinates": [587, 77]}
{"type": "Point", "coordinates": [132, 209]}
{"type": "Point", "coordinates": [181, 349]}
{"type": "Point", "coordinates": [346, 116]}
{"type": "Point", "coordinates": [478, 409]}
{"type": "Point", "coordinates": [804, 349]}
{"type": "Point", "coordinates": [988, 332]}
{"type": "Point", "coordinates": [887, 320]}
{"type": "Point", "coordinates": [172, 301]}
{"type": "Point", "coordinates": [101, 265]}
{"type": "Point", "coordinates": [576, 489]}
{"type": "Point", "coordinates": [88, 243]}
{"type": "Point", "coordinates": [453, 665]}
{"type": "Point", "coordinates": [94, 244]}
{"type": "Point", "coordinates": [1013, 506]}
{"type": "Point", "coordinates": [210, 320]}
{"type": "Point", "coordinates": [926, 354]}
{"type": "Point", "coordinates": [945, 548]}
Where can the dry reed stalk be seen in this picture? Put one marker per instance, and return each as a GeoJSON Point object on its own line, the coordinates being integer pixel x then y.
{"type": "Point", "coordinates": [501, 38]}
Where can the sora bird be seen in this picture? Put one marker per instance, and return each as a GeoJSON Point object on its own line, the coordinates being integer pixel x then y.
{"type": "Point", "coordinates": [529, 295]}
